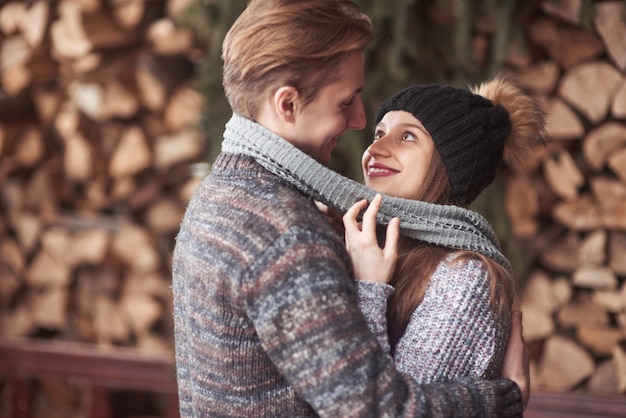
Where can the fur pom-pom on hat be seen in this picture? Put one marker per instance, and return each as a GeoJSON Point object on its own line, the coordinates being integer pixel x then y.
{"type": "Point", "coordinates": [526, 117]}
{"type": "Point", "coordinates": [473, 130]}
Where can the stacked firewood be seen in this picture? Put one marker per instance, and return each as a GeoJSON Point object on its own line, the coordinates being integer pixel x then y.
{"type": "Point", "coordinates": [98, 131]}
{"type": "Point", "coordinates": [569, 203]}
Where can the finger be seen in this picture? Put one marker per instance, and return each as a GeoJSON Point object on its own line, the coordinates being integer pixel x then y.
{"type": "Point", "coordinates": [352, 213]}
{"type": "Point", "coordinates": [392, 236]}
{"type": "Point", "coordinates": [516, 342]}
{"type": "Point", "coordinates": [516, 339]}
{"type": "Point", "coordinates": [350, 218]}
{"type": "Point", "coordinates": [369, 217]}
{"type": "Point", "coordinates": [321, 207]}
{"type": "Point", "coordinates": [516, 325]}
{"type": "Point", "coordinates": [525, 358]}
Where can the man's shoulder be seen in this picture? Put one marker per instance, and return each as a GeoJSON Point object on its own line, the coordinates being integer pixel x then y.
{"type": "Point", "coordinates": [256, 200]}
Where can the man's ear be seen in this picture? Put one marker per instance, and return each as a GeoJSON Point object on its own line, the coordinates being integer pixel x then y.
{"type": "Point", "coordinates": [285, 102]}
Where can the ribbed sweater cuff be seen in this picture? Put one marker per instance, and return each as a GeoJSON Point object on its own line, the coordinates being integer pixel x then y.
{"type": "Point", "coordinates": [505, 394]}
{"type": "Point", "coordinates": [511, 399]}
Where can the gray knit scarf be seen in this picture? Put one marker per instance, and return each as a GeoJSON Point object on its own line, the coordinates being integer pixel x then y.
{"type": "Point", "coordinates": [448, 226]}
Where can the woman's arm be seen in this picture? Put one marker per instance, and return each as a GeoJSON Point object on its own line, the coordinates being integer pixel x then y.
{"type": "Point", "coordinates": [373, 304]}
{"type": "Point", "coordinates": [366, 256]}
{"type": "Point", "coordinates": [455, 332]}
{"type": "Point", "coordinates": [373, 266]}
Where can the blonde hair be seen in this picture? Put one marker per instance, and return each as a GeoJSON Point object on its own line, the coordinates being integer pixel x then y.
{"type": "Point", "coordinates": [299, 43]}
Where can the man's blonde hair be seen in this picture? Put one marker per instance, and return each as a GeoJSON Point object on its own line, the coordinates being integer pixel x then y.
{"type": "Point", "coordinates": [299, 43]}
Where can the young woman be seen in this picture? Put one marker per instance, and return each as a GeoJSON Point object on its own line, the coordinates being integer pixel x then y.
{"type": "Point", "coordinates": [441, 313]}
{"type": "Point", "coordinates": [265, 312]}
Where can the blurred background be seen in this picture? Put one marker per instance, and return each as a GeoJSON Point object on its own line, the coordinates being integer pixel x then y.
{"type": "Point", "coordinates": [111, 112]}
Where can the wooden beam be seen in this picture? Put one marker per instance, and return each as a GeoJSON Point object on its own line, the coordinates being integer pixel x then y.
{"type": "Point", "coordinates": [107, 367]}
{"type": "Point", "coordinates": [574, 405]}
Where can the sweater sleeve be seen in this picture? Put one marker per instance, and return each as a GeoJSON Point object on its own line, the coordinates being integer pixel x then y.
{"type": "Point", "coordinates": [308, 321]}
{"type": "Point", "coordinates": [455, 332]}
{"type": "Point", "coordinates": [373, 304]}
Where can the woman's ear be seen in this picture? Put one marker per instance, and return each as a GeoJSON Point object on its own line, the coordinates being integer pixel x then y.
{"type": "Point", "coordinates": [285, 101]}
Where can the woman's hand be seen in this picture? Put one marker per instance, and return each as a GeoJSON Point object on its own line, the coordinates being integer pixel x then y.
{"type": "Point", "coordinates": [516, 360]}
{"type": "Point", "coordinates": [371, 263]}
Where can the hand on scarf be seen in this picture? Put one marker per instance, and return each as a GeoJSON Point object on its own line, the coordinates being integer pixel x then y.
{"type": "Point", "coordinates": [371, 263]}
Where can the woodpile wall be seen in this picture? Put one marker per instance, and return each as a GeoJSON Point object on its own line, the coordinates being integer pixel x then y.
{"type": "Point", "coordinates": [98, 133]}
{"type": "Point", "coordinates": [569, 204]}
{"type": "Point", "coordinates": [98, 130]}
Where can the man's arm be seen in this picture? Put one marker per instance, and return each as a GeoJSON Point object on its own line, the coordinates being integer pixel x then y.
{"type": "Point", "coordinates": [303, 304]}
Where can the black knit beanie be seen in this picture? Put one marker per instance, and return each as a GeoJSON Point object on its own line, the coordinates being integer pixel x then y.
{"type": "Point", "coordinates": [468, 130]}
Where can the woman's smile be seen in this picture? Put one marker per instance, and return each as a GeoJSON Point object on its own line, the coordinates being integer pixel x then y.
{"type": "Point", "coordinates": [380, 170]}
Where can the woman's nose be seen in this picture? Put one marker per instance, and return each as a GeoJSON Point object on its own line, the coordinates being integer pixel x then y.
{"type": "Point", "coordinates": [379, 147]}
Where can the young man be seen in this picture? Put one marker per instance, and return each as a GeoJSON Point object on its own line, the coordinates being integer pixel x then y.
{"type": "Point", "coordinates": [265, 308]}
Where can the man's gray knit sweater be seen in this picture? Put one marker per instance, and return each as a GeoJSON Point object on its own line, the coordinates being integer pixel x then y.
{"type": "Point", "coordinates": [266, 316]}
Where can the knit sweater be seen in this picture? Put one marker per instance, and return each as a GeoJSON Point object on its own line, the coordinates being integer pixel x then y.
{"type": "Point", "coordinates": [454, 332]}
{"type": "Point", "coordinates": [266, 315]}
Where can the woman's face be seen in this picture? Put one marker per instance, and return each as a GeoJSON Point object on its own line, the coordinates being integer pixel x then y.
{"type": "Point", "coordinates": [397, 162]}
{"type": "Point", "coordinates": [337, 108]}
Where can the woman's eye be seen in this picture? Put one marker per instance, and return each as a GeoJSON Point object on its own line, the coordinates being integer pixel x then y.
{"type": "Point", "coordinates": [408, 137]}
{"type": "Point", "coordinates": [378, 135]}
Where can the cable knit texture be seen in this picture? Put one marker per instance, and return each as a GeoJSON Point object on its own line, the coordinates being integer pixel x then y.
{"type": "Point", "coordinates": [454, 332]}
{"type": "Point", "coordinates": [266, 315]}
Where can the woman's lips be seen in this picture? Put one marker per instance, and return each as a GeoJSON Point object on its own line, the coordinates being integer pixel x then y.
{"type": "Point", "coordinates": [380, 170]}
